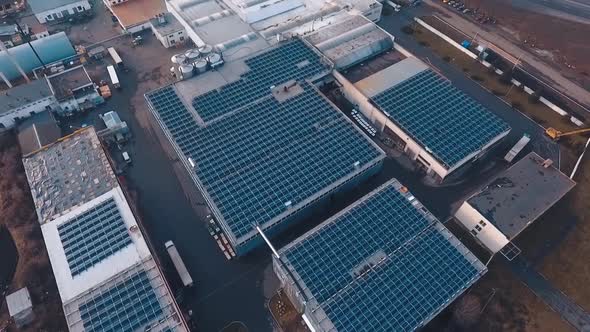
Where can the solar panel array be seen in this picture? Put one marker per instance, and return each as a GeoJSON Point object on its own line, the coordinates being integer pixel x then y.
{"type": "Point", "coordinates": [291, 61]}
{"type": "Point", "coordinates": [440, 117]}
{"type": "Point", "coordinates": [254, 161]}
{"type": "Point", "coordinates": [92, 236]}
{"type": "Point", "coordinates": [127, 306]}
{"type": "Point", "coordinates": [420, 271]}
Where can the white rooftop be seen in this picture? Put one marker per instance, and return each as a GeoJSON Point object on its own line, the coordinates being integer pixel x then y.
{"type": "Point", "coordinates": [71, 286]}
{"type": "Point", "coordinates": [18, 301]}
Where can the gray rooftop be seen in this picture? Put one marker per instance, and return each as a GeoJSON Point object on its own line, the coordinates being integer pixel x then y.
{"type": "Point", "coordinates": [170, 26]}
{"type": "Point", "coordinates": [521, 194]}
{"type": "Point", "coordinates": [68, 173]}
{"type": "Point", "coordinates": [37, 131]}
{"type": "Point", "coordinates": [18, 301]}
{"type": "Point", "coordinates": [66, 83]}
{"type": "Point", "coordinates": [23, 94]}
{"type": "Point", "coordinates": [40, 6]}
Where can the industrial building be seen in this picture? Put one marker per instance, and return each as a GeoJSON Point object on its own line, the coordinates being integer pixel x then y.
{"type": "Point", "coordinates": [50, 49]}
{"type": "Point", "coordinates": [37, 131]}
{"type": "Point", "coordinates": [351, 40]}
{"type": "Point", "coordinates": [106, 275]}
{"type": "Point", "coordinates": [134, 16]}
{"type": "Point", "coordinates": [245, 27]}
{"type": "Point", "coordinates": [382, 264]}
{"type": "Point", "coordinates": [168, 30]}
{"type": "Point", "coordinates": [25, 100]}
{"type": "Point", "coordinates": [74, 90]}
{"type": "Point", "coordinates": [433, 122]}
{"type": "Point", "coordinates": [262, 144]}
{"type": "Point", "coordinates": [512, 201]}
{"type": "Point", "coordinates": [48, 11]}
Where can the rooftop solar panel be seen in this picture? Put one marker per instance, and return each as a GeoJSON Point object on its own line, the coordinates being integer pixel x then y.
{"type": "Point", "coordinates": [440, 117]}
{"type": "Point", "coordinates": [383, 264]}
{"type": "Point", "coordinates": [127, 306]}
{"type": "Point", "coordinates": [292, 61]}
{"type": "Point", "coordinates": [272, 154]}
{"type": "Point", "coordinates": [92, 236]}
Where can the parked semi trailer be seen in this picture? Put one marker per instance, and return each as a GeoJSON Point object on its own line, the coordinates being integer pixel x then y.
{"type": "Point", "coordinates": [179, 264]}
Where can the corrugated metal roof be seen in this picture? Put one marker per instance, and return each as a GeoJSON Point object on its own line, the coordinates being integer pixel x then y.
{"type": "Point", "coordinates": [50, 49]}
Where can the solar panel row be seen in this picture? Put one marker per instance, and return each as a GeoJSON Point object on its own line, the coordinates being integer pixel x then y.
{"type": "Point", "coordinates": [92, 236]}
{"type": "Point", "coordinates": [440, 117]}
{"type": "Point", "coordinates": [384, 264]}
{"type": "Point", "coordinates": [292, 61]}
{"type": "Point", "coordinates": [270, 153]}
{"type": "Point", "coordinates": [127, 306]}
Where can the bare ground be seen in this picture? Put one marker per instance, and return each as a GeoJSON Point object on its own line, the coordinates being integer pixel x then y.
{"type": "Point", "coordinates": [33, 270]}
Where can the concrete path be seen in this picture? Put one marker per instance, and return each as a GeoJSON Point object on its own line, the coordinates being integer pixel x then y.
{"type": "Point", "coordinates": [559, 302]}
{"type": "Point", "coordinates": [504, 45]}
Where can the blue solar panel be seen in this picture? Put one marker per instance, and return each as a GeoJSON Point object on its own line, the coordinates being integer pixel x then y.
{"type": "Point", "coordinates": [269, 153]}
{"type": "Point", "coordinates": [440, 117]}
{"type": "Point", "coordinates": [291, 61]}
{"type": "Point", "coordinates": [384, 264]}
{"type": "Point", "coordinates": [92, 236]}
{"type": "Point", "coordinates": [127, 306]}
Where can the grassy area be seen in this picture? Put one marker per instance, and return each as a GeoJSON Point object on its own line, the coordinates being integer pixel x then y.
{"type": "Point", "coordinates": [564, 231]}
{"type": "Point", "coordinates": [17, 214]}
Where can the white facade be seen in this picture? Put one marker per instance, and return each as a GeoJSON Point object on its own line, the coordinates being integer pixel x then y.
{"type": "Point", "coordinates": [168, 30]}
{"type": "Point", "coordinates": [115, 2]}
{"type": "Point", "coordinates": [74, 104]}
{"type": "Point", "coordinates": [172, 39]}
{"type": "Point", "coordinates": [56, 14]}
{"type": "Point", "coordinates": [481, 228]}
{"type": "Point", "coordinates": [8, 119]}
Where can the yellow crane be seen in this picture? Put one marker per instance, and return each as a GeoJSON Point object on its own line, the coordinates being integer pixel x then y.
{"type": "Point", "coordinates": [556, 134]}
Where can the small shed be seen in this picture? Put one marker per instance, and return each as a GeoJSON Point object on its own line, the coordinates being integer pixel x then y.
{"type": "Point", "coordinates": [20, 307]}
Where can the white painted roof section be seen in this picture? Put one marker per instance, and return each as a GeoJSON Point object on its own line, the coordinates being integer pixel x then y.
{"type": "Point", "coordinates": [487, 234]}
{"type": "Point", "coordinates": [390, 76]}
{"type": "Point", "coordinates": [18, 301]}
{"type": "Point", "coordinates": [72, 286]}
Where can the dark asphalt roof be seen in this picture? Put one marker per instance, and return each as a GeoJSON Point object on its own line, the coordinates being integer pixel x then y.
{"type": "Point", "coordinates": [23, 94]}
{"type": "Point", "coordinates": [38, 131]}
{"type": "Point", "coordinates": [521, 194]}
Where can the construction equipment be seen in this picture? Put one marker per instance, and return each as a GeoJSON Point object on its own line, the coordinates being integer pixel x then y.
{"type": "Point", "coordinates": [556, 134]}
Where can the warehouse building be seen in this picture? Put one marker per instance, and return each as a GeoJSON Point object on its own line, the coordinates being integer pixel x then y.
{"type": "Point", "coordinates": [351, 40]}
{"type": "Point", "coordinates": [436, 124]}
{"type": "Point", "coordinates": [506, 206]}
{"type": "Point", "coordinates": [74, 90]}
{"type": "Point", "coordinates": [25, 100]}
{"type": "Point", "coordinates": [261, 143]}
{"type": "Point", "coordinates": [48, 11]}
{"type": "Point", "coordinates": [106, 275]}
{"type": "Point", "coordinates": [382, 264]}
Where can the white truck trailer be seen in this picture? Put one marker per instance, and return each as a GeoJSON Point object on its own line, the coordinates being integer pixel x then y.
{"type": "Point", "coordinates": [179, 264]}
{"type": "Point", "coordinates": [524, 140]}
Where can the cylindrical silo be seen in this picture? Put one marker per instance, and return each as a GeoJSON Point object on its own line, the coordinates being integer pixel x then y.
{"type": "Point", "coordinates": [214, 59]}
{"type": "Point", "coordinates": [205, 50]}
{"type": "Point", "coordinates": [192, 54]}
{"type": "Point", "coordinates": [186, 71]}
{"type": "Point", "coordinates": [200, 66]}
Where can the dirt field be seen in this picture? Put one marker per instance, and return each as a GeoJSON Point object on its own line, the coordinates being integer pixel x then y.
{"type": "Point", "coordinates": [33, 269]}
{"type": "Point", "coordinates": [557, 40]}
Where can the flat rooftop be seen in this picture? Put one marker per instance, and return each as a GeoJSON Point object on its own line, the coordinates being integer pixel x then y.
{"type": "Point", "coordinates": [449, 124]}
{"type": "Point", "coordinates": [171, 24]}
{"type": "Point", "coordinates": [265, 144]}
{"type": "Point", "coordinates": [135, 12]}
{"type": "Point", "coordinates": [384, 256]}
{"type": "Point", "coordinates": [65, 84]}
{"type": "Point", "coordinates": [521, 194]}
{"type": "Point", "coordinates": [23, 94]}
{"type": "Point", "coordinates": [68, 173]}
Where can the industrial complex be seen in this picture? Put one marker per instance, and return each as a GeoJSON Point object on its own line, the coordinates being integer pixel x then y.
{"type": "Point", "coordinates": [261, 142]}
{"type": "Point", "coordinates": [382, 264]}
{"type": "Point", "coordinates": [299, 126]}
{"type": "Point", "coordinates": [512, 201]}
{"type": "Point", "coordinates": [106, 275]}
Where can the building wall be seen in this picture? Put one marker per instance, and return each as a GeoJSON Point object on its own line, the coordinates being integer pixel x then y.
{"type": "Point", "coordinates": [306, 211]}
{"type": "Point", "coordinates": [172, 39]}
{"type": "Point", "coordinates": [373, 13]}
{"type": "Point", "coordinates": [115, 2]}
{"type": "Point", "coordinates": [481, 228]}
{"type": "Point", "coordinates": [8, 119]}
{"type": "Point", "coordinates": [73, 105]}
{"type": "Point", "coordinates": [57, 14]}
